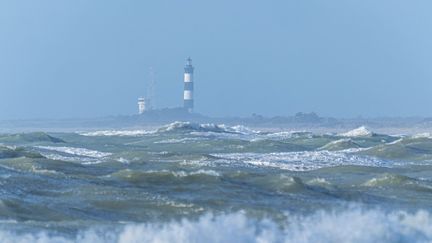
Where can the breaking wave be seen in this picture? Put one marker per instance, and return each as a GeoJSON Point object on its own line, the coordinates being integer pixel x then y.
{"type": "Point", "coordinates": [86, 156]}
{"type": "Point", "coordinates": [117, 133]}
{"type": "Point", "coordinates": [300, 161]}
{"type": "Point", "coordinates": [206, 130]}
{"type": "Point", "coordinates": [347, 225]}
{"type": "Point", "coordinates": [209, 127]}
{"type": "Point", "coordinates": [341, 144]}
{"type": "Point", "coordinates": [178, 140]}
{"type": "Point", "coordinates": [286, 135]}
{"type": "Point", "coordinates": [414, 148]}
{"type": "Point", "coordinates": [77, 151]}
{"type": "Point", "coordinates": [423, 135]}
{"type": "Point", "coordinates": [358, 132]}
{"type": "Point", "coordinates": [397, 181]}
{"type": "Point", "coordinates": [173, 128]}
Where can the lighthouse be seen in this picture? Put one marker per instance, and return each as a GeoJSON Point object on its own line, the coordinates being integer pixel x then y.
{"type": "Point", "coordinates": [188, 86]}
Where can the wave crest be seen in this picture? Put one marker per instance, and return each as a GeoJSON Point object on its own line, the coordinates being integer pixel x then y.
{"type": "Point", "coordinates": [358, 132]}
{"type": "Point", "coordinates": [208, 127]}
{"type": "Point", "coordinates": [349, 225]}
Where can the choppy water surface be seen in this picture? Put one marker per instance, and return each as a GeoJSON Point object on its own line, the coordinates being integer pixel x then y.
{"type": "Point", "coordinates": [188, 182]}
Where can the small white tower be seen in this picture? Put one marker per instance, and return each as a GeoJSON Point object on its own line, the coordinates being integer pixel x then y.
{"type": "Point", "coordinates": [143, 105]}
{"type": "Point", "coordinates": [147, 103]}
{"type": "Point", "coordinates": [188, 86]}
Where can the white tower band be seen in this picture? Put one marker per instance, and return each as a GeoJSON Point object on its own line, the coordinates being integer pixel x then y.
{"type": "Point", "coordinates": [143, 105]}
{"type": "Point", "coordinates": [188, 86]}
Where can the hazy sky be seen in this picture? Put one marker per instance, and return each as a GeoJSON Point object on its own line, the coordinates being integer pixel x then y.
{"type": "Point", "coordinates": [343, 58]}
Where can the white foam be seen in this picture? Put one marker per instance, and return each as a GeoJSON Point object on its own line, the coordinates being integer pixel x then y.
{"type": "Point", "coordinates": [298, 161]}
{"type": "Point", "coordinates": [358, 132]}
{"type": "Point", "coordinates": [287, 134]}
{"type": "Point", "coordinates": [123, 160]}
{"type": "Point", "coordinates": [423, 135]}
{"type": "Point", "coordinates": [12, 147]}
{"type": "Point", "coordinates": [339, 141]}
{"type": "Point", "coordinates": [210, 128]}
{"type": "Point", "coordinates": [207, 127]}
{"type": "Point", "coordinates": [133, 133]}
{"type": "Point", "coordinates": [345, 225]}
{"type": "Point", "coordinates": [206, 130]}
{"type": "Point", "coordinates": [243, 129]}
{"type": "Point", "coordinates": [190, 125]}
{"type": "Point", "coordinates": [182, 173]}
{"type": "Point", "coordinates": [198, 172]}
{"type": "Point", "coordinates": [179, 140]}
{"type": "Point", "coordinates": [76, 151]}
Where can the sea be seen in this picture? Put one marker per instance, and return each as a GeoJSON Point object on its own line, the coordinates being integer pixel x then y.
{"type": "Point", "coordinates": [192, 182]}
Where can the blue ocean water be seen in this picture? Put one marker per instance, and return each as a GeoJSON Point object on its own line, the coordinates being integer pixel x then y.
{"type": "Point", "coordinates": [189, 182]}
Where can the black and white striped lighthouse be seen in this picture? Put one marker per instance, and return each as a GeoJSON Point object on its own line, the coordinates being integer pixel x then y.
{"type": "Point", "coordinates": [188, 86]}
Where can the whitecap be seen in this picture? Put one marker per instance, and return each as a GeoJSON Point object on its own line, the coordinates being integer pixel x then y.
{"type": "Point", "coordinates": [76, 151]}
{"type": "Point", "coordinates": [358, 132]}
{"type": "Point", "coordinates": [178, 140]}
{"type": "Point", "coordinates": [299, 161]}
{"type": "Point", "coordinates": [353, 224]}
{"type": "Point", "coordinates": [182, 173]}
{"type": "Point", "coordinates": [133, 133]}
{"type": "Point", "coordinates": [423, 135]}
{"type": "Point", "coordinates": [206, 127]}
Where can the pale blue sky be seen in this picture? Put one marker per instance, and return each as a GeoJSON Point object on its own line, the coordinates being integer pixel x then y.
{"type": "Point", "coordinates": [343, 58]}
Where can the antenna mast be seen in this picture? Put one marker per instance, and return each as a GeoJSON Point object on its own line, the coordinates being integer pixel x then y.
{"type": "Point", "coordinates": [151, 89]}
